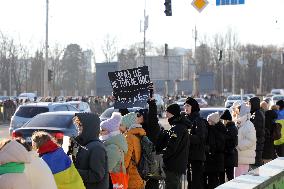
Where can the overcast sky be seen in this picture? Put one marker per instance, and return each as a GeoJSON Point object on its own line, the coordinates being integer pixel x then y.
{"type": "Point", "coordinates": [87, 22]}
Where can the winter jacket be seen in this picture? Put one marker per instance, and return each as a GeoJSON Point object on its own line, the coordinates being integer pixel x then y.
{"type": "Point", "coordinates": [151, 122]}
{"type": "Point", "coordinates": [133, 156]}
{"type": "Point", "coordinates": [216, 145]}
{"type": "Point", "coordinates": [33, 165]}
{"type": "Point", "coordinates": [258, 120]}
{"type": "Point", "coordinates": [91, 159]}
{"type": "Point", "coordinates": [116, 147]}
{"type": "Point", "coordinates": [197, 137]}
{"type": "Point", "coordinates": [65, 174]}
{"type": "Point", "coordinates": [176, 145]}
{"type": "Point", "coordinates": [280, 119]}
{"type": "Point", "coordinates": [268, 149]}
{"type": "Point", "coordinates": [246, 141]}
{"type": "Point", "coordinates": [231, 153]}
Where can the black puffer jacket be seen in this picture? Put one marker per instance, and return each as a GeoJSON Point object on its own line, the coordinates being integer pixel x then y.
{"type": "Point", "coordinates": [197, 137]}
{"type": "Point", "coordinates": [258, 120]}
{"type": "Point", "coordinates": [215, 148]}
{"type": "Point", "coordinates": [268, 149]}
{"type": "Point", "coordinates": [91, 159]}
{"type": "Point", "coordinates": [175, 143]}
{"type": "Point", "coordinates": [231, 153]}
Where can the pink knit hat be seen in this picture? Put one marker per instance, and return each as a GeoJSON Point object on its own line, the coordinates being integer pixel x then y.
{"type": "Point", "coordinates": [113, 123]}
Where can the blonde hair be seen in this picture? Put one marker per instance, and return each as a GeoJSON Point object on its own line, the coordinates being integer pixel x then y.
{"type": "Point", "coordinates": [39, 138]}
{"type": "Point", "coordinates": [264, 105]}
{"type": "Point", "coordinates": [274, 107]}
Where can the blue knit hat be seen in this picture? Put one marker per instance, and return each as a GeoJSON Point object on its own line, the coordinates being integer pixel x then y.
{"type": "Point", "coordinates": [113, 123]}
{"type": "Point", "coordinates": [129, 119]}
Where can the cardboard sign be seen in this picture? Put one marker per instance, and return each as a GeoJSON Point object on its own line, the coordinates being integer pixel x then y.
{"type": "Point", "coordinates": [130, 87]}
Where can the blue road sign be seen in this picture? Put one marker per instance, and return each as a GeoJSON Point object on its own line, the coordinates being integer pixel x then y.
{"type": "Point", "coordinates": [229, 2]}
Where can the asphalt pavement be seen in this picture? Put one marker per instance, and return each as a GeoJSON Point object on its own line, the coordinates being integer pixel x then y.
{"type": "Point", "coordinates": [4, 130]}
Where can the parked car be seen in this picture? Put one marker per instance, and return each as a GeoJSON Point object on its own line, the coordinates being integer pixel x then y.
{"type": "Point", "coordinates": [58, 124]}
{"type": "Point", "coordinates": [25, 112]}
{"type": "Point", "coordinates": [250, 95]}
{"type": "Point", "coordinates": [201, 101]}
{"type": "Point", "coordinates": [108, 112]}
{"type": "Point", "coordinates": [81, 106]}
{"type": "Point", "coordinates": [204, 112]}
{"type": "Point", "coordinates": [277, 91]}
{"type": "Point", "coordinates": [275, 98]}
{"type": "Point", "coordinates": [233, 98]}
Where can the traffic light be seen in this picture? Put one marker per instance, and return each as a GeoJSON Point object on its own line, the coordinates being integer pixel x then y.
{"type": "Point", "coordinates": [168, 7]}
{"type": "Point", "coordinates": [166, 49]}
{"type": "Point", "coordinates": [220, 55]}
{"type": "Point", "coordinates": [50, 75]}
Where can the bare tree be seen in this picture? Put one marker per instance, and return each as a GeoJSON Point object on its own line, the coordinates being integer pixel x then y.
{"type": "Point", "coordinates": [109, 48]}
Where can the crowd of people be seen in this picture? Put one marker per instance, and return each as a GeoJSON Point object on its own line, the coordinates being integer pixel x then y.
{"type": "Point", "coordinates": [108, 154]}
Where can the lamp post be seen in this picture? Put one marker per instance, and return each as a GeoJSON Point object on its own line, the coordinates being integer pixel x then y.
{"type": "Point", "coordinates": [45, 67]}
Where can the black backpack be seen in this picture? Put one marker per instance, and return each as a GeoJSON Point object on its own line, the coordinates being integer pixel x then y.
{"type": "Point", "coordinates": [149, 165]}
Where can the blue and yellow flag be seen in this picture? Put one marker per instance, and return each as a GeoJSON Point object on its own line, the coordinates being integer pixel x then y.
{"type": "Point", "coordinates": [65, 174]}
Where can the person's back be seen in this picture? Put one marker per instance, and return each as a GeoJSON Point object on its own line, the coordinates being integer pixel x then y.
{"type": "Point", "coordinates": [13, 157]}
{"type": "Point", "coordinates": [61, 166]}
{"type": "Point", "coordinates": [45, 179]}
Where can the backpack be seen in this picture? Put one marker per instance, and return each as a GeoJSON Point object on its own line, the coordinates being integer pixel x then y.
{"type": "Point", "coordinates": [149, 165]}
{"type": "Point", "coordinates": [276, 131]}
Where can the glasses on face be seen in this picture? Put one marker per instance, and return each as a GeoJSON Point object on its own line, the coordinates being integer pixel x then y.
{"type": "Point", "coordinates": [139, 115]}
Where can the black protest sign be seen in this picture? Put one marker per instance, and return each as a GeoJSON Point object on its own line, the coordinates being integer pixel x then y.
{"type": "Point", "coordinates": [130, 87]}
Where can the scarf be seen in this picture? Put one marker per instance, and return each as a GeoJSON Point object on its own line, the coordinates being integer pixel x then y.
{"type": "Point", "coordinates": [135, 126]}
{"type": "Point", "coordinates": [49, 146]}
{"type": "Point", "coordinates": [111, 134]}
{"type": "Point", "coordinates": [12, 168]}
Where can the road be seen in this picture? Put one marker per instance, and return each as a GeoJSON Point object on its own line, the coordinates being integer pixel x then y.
{"type": "Point", "coordinates": [4, 130]}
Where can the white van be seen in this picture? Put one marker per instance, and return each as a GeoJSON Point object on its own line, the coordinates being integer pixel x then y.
{"type": "Point", "coordinates": [24, 96]}
{"type": "Point", "coordinates": [277, 92]}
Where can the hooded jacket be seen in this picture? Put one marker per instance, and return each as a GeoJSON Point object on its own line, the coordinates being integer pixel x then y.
{"type": "Point", "coordinates": [116, 147]}
{"type": "Point", "coordinates": [258, 120]}
{"type": "Point", "coordinates": [133, 156]}
{"type": "Point", "coordinates": [33, 165]}
{"type": "Point", "coordinates": [91, 159]}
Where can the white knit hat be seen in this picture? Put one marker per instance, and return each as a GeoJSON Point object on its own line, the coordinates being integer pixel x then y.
{"type": "Point", "coordinates": [214, 117]}
{"type": "Point", "coordinates": [113, 123]}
